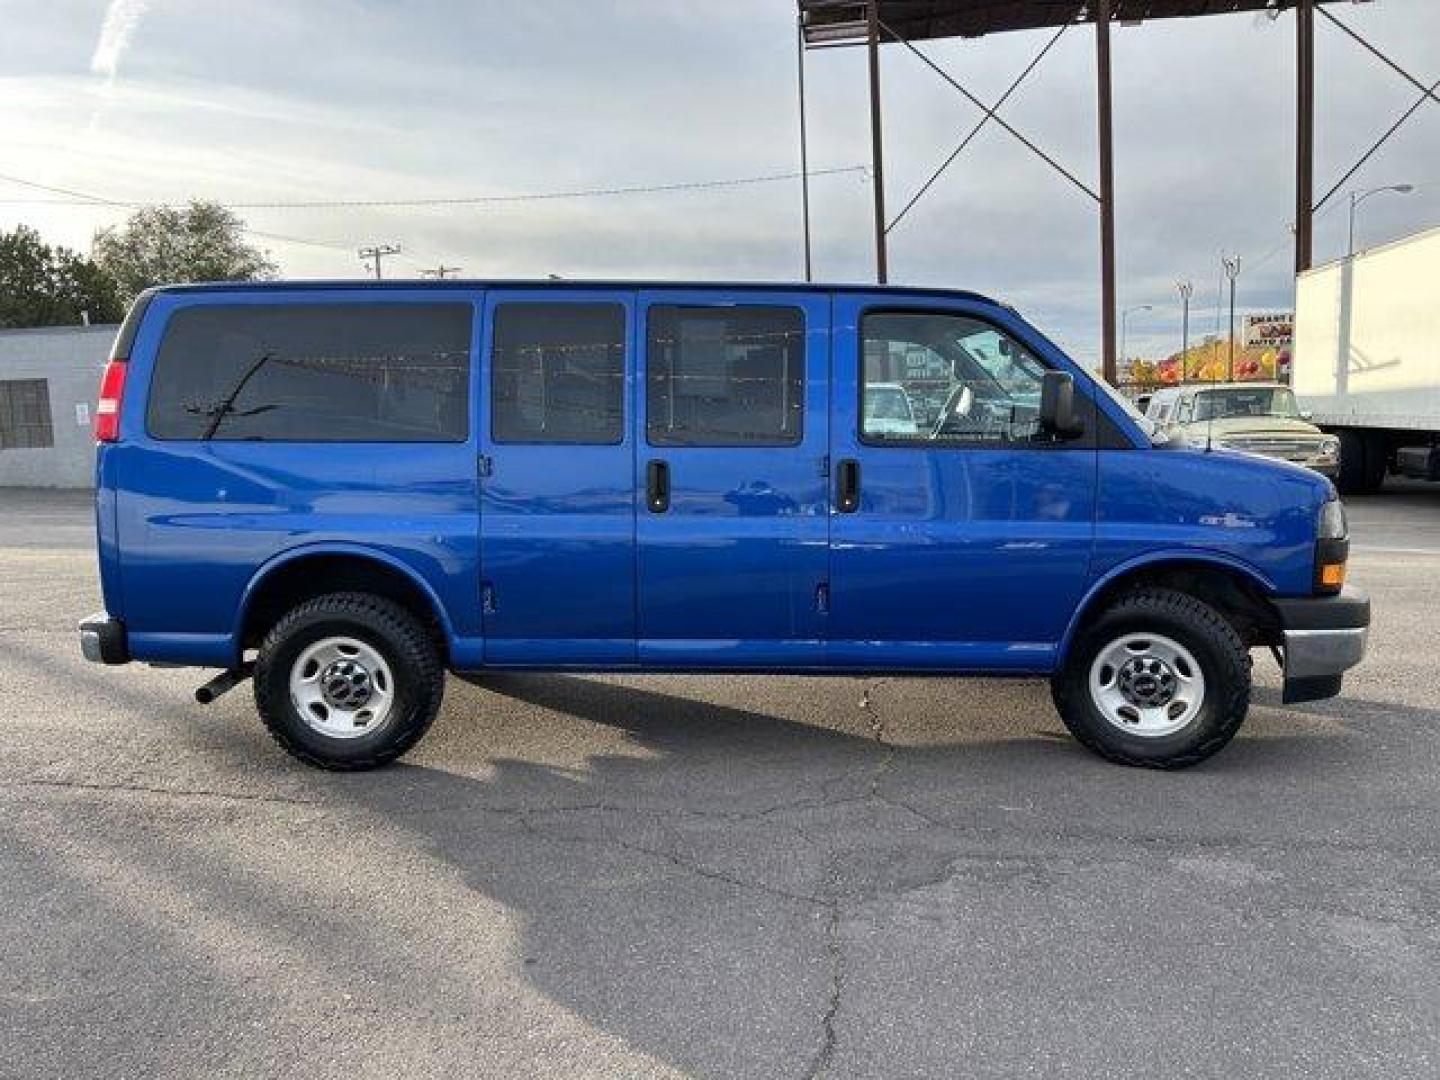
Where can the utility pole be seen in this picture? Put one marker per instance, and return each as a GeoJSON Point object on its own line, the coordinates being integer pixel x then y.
{"type": "Point", "coordinates": [1186, 290]}
{"type": "Point", "coordinates": [1232, 271]}
{"type": "Point", "coordinates": [877, 142]}
{"type": "Point", "coordinates": [804, 149]}
{"type": "Point", "coordinates": [442, 271]}
{"type": "Point", "coordinates": [1101, 14]}
{"type": "Point", "coordinates": [1304, 134]}
{"type": "Point", "coordinates": [375, 253]}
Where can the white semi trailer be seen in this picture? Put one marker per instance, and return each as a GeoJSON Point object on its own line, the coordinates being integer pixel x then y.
{"type": "Point", "coordinates": [1367, 359]}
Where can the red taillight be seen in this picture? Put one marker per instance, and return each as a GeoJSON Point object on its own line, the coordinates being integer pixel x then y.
{"type": "Point", "coordinates": [107, 410]}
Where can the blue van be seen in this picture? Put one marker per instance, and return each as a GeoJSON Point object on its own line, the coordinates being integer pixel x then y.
{"type": "Point", "coordinates": [343, 490]}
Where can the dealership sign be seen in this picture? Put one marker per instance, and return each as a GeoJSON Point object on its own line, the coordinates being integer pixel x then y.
{"type": "Point", "coordinates": [1275, 330]}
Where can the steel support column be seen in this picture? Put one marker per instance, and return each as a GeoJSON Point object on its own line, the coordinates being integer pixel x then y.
{"type": "Point", "coordinates": [1304, 134]}
{"type": "Point", "coordinates": [877, 155]}
{"type": "Point", "coordinates": [804, 147]}
{"type": "Point", "coordinates": [1107, 192]}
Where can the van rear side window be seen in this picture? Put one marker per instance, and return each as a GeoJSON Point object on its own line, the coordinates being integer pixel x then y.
{"type": "Point", "coordinates": [730, 376]}
{"type": "Point", "coordinates": [557, 373]}
{"type": "Point", "coordinates": [387, 372]}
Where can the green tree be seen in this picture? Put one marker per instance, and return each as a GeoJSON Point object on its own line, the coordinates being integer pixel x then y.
{"type": "Point", "coordinates": [164, 245]}
{"type": "Point", "coordinates": [42, 285]}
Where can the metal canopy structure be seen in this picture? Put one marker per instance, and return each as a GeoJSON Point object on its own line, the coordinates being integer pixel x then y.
{"type": "Point", "coordinates": [834, 21]}
{"type": "Point", "coordinates": [839, 23]}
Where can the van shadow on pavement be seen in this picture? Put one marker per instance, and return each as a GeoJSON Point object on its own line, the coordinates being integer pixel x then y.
{"type": "Point", "coordinates": [685, 892]}
{"type": "Point", "coordinates": [710, 881]}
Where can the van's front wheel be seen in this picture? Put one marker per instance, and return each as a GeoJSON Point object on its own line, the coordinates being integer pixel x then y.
{"type": "Point", "coordinates": [348, 681]}
{"type": "Point", "coordinates": [1159, 679]}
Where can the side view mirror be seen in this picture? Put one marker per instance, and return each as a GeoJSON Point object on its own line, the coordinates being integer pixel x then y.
{"type": "Point", "coordinates": [1058, 414]}
{"type": "Point", "coordinates": [1307, 414]}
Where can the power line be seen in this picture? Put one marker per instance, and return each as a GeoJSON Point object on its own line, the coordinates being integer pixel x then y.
{"type": "Point", "coordinates": [462, 200]}
{"type": "Point", "coordinates": [100, 200]}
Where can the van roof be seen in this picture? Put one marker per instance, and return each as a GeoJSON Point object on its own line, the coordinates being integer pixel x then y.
{"type": "Point", "coordinates": [578, 283]}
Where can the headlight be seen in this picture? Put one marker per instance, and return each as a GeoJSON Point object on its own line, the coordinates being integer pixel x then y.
{"type": "Point", "coordinates": [1332, 524]}
{"type": "Point", "coordinates": [1329, 447]}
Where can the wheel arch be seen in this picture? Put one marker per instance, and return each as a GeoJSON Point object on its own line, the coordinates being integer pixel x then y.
{"type": "Point", "coordinates": [302, 573]}
{"type": "Point", "coordinates": [1234, 588]}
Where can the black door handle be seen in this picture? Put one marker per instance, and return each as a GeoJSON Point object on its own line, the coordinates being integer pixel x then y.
{"type": "Point", "coordinates": [847, 496]}
{"type": "Point", "coordinates": [657, 486]}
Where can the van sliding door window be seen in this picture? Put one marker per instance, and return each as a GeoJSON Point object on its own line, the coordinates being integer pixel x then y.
{"type": "Point", "coordinates": [731, 376]}
{"type": "Point", "coordinates": [386, 372]}
{"type": "Point", "coordinates": [557, 373]}
{"type": "Point", "coordinates": [941, 378]}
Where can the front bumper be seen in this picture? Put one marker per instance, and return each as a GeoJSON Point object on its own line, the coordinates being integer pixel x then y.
{"type": "Point", "coordinates": [1324, 637]}
{"type": "Point", "coordinates": [103, 640]}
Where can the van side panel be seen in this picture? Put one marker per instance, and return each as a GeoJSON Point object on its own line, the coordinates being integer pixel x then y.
{"type": "Point", "coordinates": [195, 520]}
{"type": "Point", "coordinates": [558, 517]}
{"type": "Point", "coordinates": [958, 557]}
{"type": "Point", "coordinates": [733, 570]}
{"type": "Point", "coordinates": [1188, 502]}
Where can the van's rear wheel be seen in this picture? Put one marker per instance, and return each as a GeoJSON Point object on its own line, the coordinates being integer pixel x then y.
{"type": "Point", "coordinates": [348, 681]}
{"type": "Point", "coordinates": [1159, 679]}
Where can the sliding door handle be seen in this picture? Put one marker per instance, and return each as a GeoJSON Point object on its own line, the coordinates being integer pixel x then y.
{"type": "Point", "coordinates": [657, 486]}
{"type": "Point", "coordinates": [847, 486]}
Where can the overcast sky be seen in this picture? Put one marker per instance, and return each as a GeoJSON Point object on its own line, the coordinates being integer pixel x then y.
{"type": "Point", "coordinates": [168, 100]}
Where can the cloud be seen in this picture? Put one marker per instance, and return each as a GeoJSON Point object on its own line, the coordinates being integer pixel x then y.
{"type": "Point", "coordinates": [122, 18]}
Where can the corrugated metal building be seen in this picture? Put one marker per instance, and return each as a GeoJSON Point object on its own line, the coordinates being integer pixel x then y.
{"type": "Point", "coordinates": [49, 377]}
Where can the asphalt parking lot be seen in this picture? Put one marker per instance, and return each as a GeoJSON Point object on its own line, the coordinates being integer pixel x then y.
{"type": "Point", "coordinates": [714, 876]}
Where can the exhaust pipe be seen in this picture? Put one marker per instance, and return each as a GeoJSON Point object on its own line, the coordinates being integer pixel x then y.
{"type": "Point", "coordinates": [225, 681]}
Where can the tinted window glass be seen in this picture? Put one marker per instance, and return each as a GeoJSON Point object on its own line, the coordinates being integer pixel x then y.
{"type": "Point", "coordinates": [557, 373]}
{"type": "Point", "coordinates": [725, 376]}
{"type": "Point", "coordinates": [932, 377]}
{"type": "Point", "coordinates": [314, 373]}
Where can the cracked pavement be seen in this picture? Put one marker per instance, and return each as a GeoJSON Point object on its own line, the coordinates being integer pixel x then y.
{"type": "Point", "coordinates": [713, 876]}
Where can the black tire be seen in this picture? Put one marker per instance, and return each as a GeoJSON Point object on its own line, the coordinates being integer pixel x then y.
{"type": "Point", "coordinates": [1224, 661]}
{"type": "Point", "coordinates": [1355, 472]}
{"type": "Point", "coordinates": [403, 643]}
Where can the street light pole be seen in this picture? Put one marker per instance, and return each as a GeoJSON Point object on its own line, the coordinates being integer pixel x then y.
{"type": "Point", "coordinates": [1125, 326]}
{"type": "Point", "coordinates": [1356, 198]}
{"type": "Point", "coordinates": [1232, 271]}
{"type": "Point", "coordinates": [1186, 290]}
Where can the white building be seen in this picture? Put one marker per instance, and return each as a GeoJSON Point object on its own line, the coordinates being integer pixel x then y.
{"type": "Point", "coordinates": [49, 379]}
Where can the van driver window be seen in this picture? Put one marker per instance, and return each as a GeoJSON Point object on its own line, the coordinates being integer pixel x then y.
{"type": "Point", "coordinates": [935, 378]}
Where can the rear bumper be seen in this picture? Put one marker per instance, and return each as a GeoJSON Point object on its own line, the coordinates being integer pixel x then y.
{"type": "Point", "coordinates": [103, 640]}
{"type": "Point", "coordinates": [1324, 637]}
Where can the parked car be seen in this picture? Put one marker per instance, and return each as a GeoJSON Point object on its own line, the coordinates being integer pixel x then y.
{"type": "Point", "coordinates": [344, 490]}
{"type": "Point", "coordinates": [1256, 418]}
{"type": "Point", "coordinates": [888, 410]}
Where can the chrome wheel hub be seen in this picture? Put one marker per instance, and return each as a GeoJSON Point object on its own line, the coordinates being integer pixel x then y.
{"type": "Point", "coordinates": [345, 685]}
{"type": "Point", "coordinates": [1147, 684]}
{"type": "Point", "coordinates": [342, 687]}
